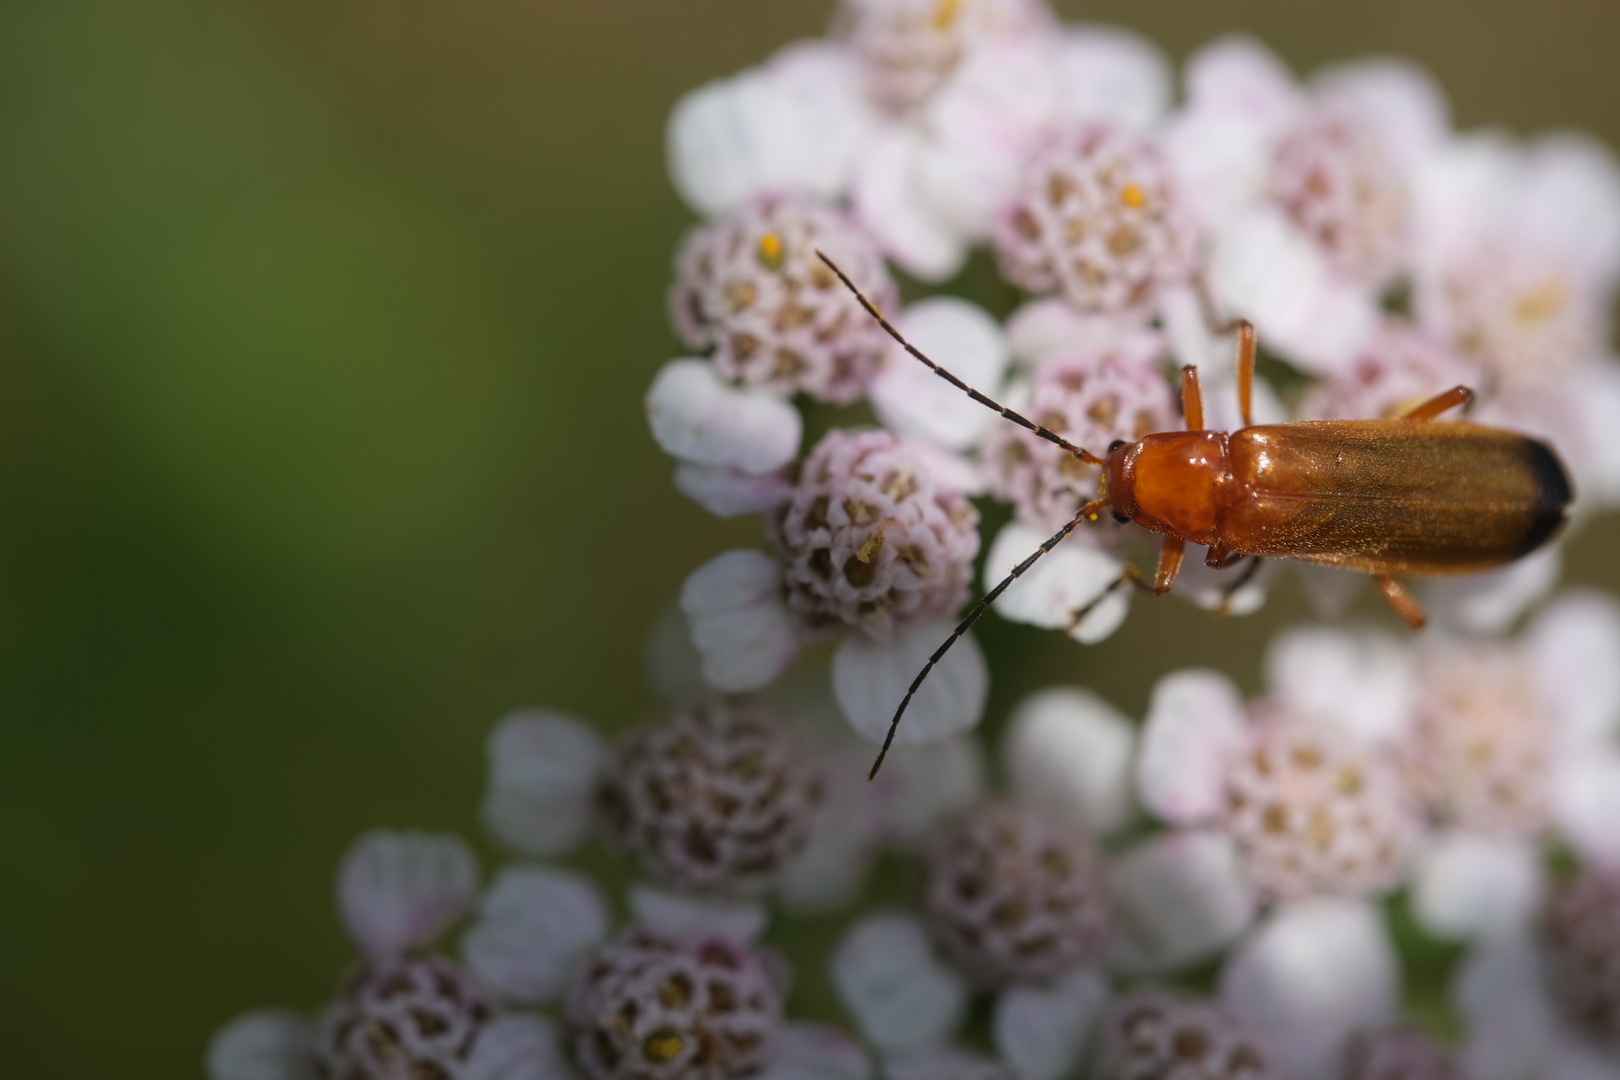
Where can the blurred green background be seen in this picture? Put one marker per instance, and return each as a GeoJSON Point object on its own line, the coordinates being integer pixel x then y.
{"type": "Point", "coordinates": [323, 333]}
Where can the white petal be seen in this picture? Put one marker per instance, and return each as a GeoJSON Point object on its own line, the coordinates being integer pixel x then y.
{"type": "Point", "coordinates": [544, 768]}
{"type": "Point", "coordinates": [740, 623]}
{"type": "Point", "coordinates": [1061, 583]}
{"type": "Point", "coordinates": [518, 1046]}
{"type": "Point", "coordinates": [1574, 644]}
{"type": "Point", "coordinates": [797, 123]}
{"type": "Point", "coordinates": [1112, 75]}
{"type": "Point", "coordinates": [1311, 977]}
{"type": "Point", "coordinates": [534, 925]}
{"type": "Point", "coordinates": [1196, 726]}
{"type": "Point", "coordinates": [901, 996]}
{"type": "Point", "coordinates": [1490, 603]}
{"type": "Point", "coordinates": [962, 338]}
{"type": "Point", "coordinates": [1462, 193]}
{"type": "Point", "coordinates": [1187, 329]}
{"type": "Point", "coordinates": [1403, 101]}
{"type": "Point", "coordinates": [921, 786]}
{"type": "Point", "coordinates": [1041, 1030]}
{"type": "Point", "coordinates": [1264, 269]}
{"type": "Point", "coordinates": [981, 125]}
{"type": "Point", "coordinates": [951, 1063]}
{"type": "Point", "coordinates": [816, 1052]}
{"type": "Point", "coordinates": [680, 915]}
{"type": "Point", "coordinates": [870, 679]}
{"type": "Point", "coordinates": [728, 492]}
{"type": "Point", "coordinates": [1360, 680]}
{"type": "Point", "coordinates": [397, 890]}
{"type": "Point", "coordinates": [1586, 802]}
{"type": "Point", "coordinates": [1240, 96]}
{"type": "Point", "coordinates": [889, 203]}
{"type": "Point", "coordinates": [1508, 1024]}
{"type": "Point", "coordinates": [1468, 885]}
{"type": "Point", "coordinates": [1240, 75]}
{"type": "Point", "coordinates": [1069, 752]}
{"type": "Point", "coordinates": [1181, 897]}
{"type": "Point", "coordinates": [670, 662]}
{"type": "Point", "coordinates": [271, 1044]}
{"type": "Point", "coordinates": [1043, 330]}
{"type": "Point", "coordinates": [829, 872]}
{"type": "Point", "coordinates": [698, 417]}
{"type": "Point", "coordinates": [1571, 199]}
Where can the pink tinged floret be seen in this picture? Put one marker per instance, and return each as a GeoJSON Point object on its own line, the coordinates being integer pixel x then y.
{"type": "Point", "coordinates": [870, 542]}
{"type": "Point", "coordinates": [698, 417]}
{"type": "Point", "coordinates": [1180, 896]}
{"type": "Point", "coordinates": [1469, 885]}
{"type": "Point", "coordinates": [717, 798]}
{"type": "Point", "coordinates": [1098, 219]}
{"type": "Point", "coordinates": [1399, 1054]}
{"type": "Point", "coordinates": [1013, 896]}
{"type": "Point", "coordinates": [751, 291]}
{"type": "Point", "coordinates": [1043, 1030]}
{"type": "Point", "coordinates": [402, 1020]}
{"type": "Point", "coordinates": [913, 401]}
{"type": "Point", "coordinates": [908, 49]}
{"type": "Point", "coordinates": [1091, 398]}
{"type": "Point", "coordinates": [398, 890]}
{"type": "Point", "coordinates": [1155, 1036]}
{"type": "Point", "coordinates": [1316, 813]}
{"type": "Point", "coordinates": [650, 1008]}
{"type": "Point", "coordinates": [1339, 183]}
{"type": "Point", "coordinates": [1481, 745]}
{"type": "Point", "coordinates": [1196, 729]}
{"type": "Point", "coordinates": [1401, 367]}
{"type": "Point", "coordinates": [1580, 924]}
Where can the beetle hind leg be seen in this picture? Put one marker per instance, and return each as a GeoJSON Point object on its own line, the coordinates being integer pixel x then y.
{"type": "Point", "coordinates": [1235, 586]}
{"type": "Point", "coordinates": [1428, 410]}
{"type": "Point", "coordinates": [1401, 599]}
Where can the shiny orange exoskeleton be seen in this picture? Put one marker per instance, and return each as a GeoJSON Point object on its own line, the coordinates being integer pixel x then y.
{"type": "Point", "coordinates": [1387, 498]}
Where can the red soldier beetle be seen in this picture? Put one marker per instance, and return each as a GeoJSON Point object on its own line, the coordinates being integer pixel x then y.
{"type": "Point", "coordinates": [1387, 498]}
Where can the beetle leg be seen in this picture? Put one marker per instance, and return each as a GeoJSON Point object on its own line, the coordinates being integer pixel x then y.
{"type": "Point", "coordinates": [1219, 556]}
{"type": "Point", "coordinates": [1457, 395]}
{"type": "Point", "coordinates": [1245, 369]}
{"type": "Point", "coordinates": [1164, 576]}
{"type": "Point", "coordinates": [1192, 399]}
{"type": "Point", "coordinates": [1237, 583]}
{"type": "Point", "coordinates": [1401, 599]}
{"type": "Point", "coordinates": [1169, 564]}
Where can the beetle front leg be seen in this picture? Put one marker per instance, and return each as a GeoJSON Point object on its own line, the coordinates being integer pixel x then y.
{"type": "Point", "coordinates": [1245, 369]}
{"type": "Point", "coordinates": [1401, 599]}
{"type": "Point", "coordinates": [1164, 576]}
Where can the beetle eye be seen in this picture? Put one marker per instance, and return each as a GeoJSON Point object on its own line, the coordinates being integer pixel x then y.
{"type": "Point", "coordinates": [1119, 517]}
{"type": "Point", "coordinates": [1115, 445]}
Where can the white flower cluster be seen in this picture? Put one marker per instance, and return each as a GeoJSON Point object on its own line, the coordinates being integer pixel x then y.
{"type": "Point", "coordinates": [1383, 257]}
{"type": "Point", "coordinates": [1210, 890]}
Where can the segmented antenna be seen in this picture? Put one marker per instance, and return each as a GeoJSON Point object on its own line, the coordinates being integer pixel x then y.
{"type": "Point", "coordinates": [1022, 421]}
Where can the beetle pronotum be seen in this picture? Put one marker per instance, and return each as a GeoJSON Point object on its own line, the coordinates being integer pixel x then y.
{"type": "Point", "coordinates": [1386, 498]}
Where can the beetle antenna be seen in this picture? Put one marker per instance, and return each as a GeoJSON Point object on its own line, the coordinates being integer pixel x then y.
{"type": "Point", "coordinates": [1022, 421]}
{"type": "Point", "coordinates": [1087, 511]}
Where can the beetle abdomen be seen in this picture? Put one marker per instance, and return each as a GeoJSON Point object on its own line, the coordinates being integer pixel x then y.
{"type": "Point", "coordinates": [1393, 496]}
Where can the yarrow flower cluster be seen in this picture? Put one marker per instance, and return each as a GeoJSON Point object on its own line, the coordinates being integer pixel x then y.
{"type": "Point", "coordinates": [1232, 884]}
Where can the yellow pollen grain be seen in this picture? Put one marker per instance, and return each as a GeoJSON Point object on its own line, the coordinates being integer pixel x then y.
{"type": "Point", "coordinates": [873, 545]}
{"type": "Point", "coordinates": [1133, 196]}
{"type": "Point", "coordinates": [945, 13]}
{"type": "Point", "coordinates": [771, 254]}
{"type": "Point", "coordinates": [1540, 303]}
{"type": "Point", "coordinates": [662, 1046]}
